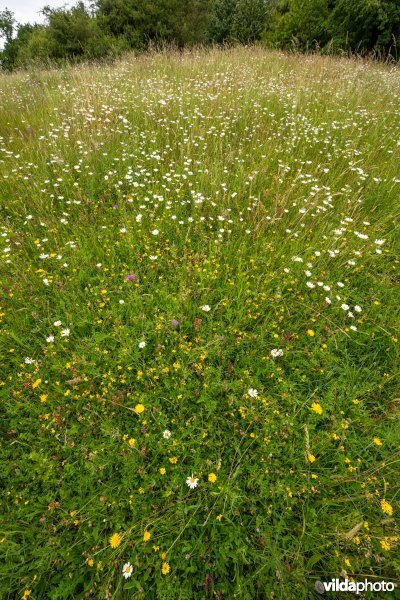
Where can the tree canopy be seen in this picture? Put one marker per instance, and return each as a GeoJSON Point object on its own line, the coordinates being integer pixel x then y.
{"type": "Point", "coordinates": [108, 27]}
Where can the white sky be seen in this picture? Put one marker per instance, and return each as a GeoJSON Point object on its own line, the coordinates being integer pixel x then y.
{"type": "Point", "coordinates": [27, 11]}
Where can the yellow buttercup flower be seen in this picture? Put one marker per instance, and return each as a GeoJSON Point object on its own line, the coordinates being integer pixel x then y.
{"type": "Point", "coordinates": [139, 408]}
{"type": "Point", "coordinates": [212, 477]}
{"type": "Point", "coordinates": [146, 536]}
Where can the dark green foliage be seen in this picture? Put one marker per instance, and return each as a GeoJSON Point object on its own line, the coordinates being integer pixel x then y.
{"type": "Point", "coordinates": [20, 45]}
{"type": "Point", "coordinates": [249, 20]}
{"type": "Point", "coordinates": [112, 26]}
{"type": "Point", "coordinates": [238, 20]}
{"type": "Point", "coordinates": [221, 20]}
{"type": "Point", "coordinates": [302, 22]}
{"type": "Point", "coordinates": [365, 24]}
{"type": "Point", "coordinates": [75, 33]}
{"type": "Point", "coordinates": [144, 21]}
{"type": "Point", "coordinates": [70, 34]}
{"type": "Point", "coordinates": [354, 25]}
{"type": "Point", "coordinates": [6, 24]}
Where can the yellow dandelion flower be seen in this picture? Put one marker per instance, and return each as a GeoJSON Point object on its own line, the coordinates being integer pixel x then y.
{"type": "Point", "coordinates": [146, 536]}
{"type": "Point", "coordinates": [311, 458]}
{"type": "Point", "coordinates": [115, 540]}
{"type": "Point", "coordinates": [310, 332]}
{"type": "Point", "coordinates": [90, 562]}
{"type": "Point", "coordinates": [377, 441]}
{"type": "Point", "coordinates": [36, 383]}
{"type": "Point", "coordinates": [386, 507]}
{"type": "Point", "coordinates": [165, 568]}
{"type": "Point", "coordinates": [218, 517]}
{"type": "Point", "coordinates": [163, 471]}
{"type": "Point", "coordinates": [139, 408]}
{"type": "Point", "coordinates": [132, 442]}
{"type": "Point", "coordinates": [317, 408]}
{"type": "Point", "coordinates": [212, 478]}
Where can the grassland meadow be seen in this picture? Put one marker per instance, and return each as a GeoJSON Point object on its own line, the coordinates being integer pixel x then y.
{"type": "Point", "coordinates": [199, 305]}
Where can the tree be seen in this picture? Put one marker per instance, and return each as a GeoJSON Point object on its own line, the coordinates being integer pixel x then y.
{"type": "Point", "coordinates": [365, 24]}
{"type": "Point", "coordinates": [249, 20]}
{"type": "Point", "coordinates": [7, 22]}
{"type": "Point", "coordinates": [221, 20]}
{"type": "Point", "coordinates": [301, 21]}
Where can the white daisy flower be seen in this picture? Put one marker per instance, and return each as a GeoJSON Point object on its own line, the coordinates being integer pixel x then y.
{"type": "Point", "coordinates": [276, 352]}
{"type": "Point", "coordinates": [357, 308]}
{"type": "Point", "coordinates": [65, 332]}
{"type": "Point", "coordinates": [155, 232]}
{"type": "Point", "coordinates": [206, 308]}
{"type": "Point", "coordinates": [166, 434]}
{"type": "Point", "coordinates": [57, 323]}
{"type": "Point", "coordinates": [141, 344]}
{"type": "Point", "coordinates": [192, 482]}
{"type": "Point", "coordinates": [127, 570]}
{"type": "Point", "coordinates": [252, 393]}
{"type": "Point", "coordinates": [50, 339]}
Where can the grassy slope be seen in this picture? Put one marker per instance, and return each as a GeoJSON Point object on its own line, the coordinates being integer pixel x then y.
{"type": "Point", "coordinates": [242, 160]}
